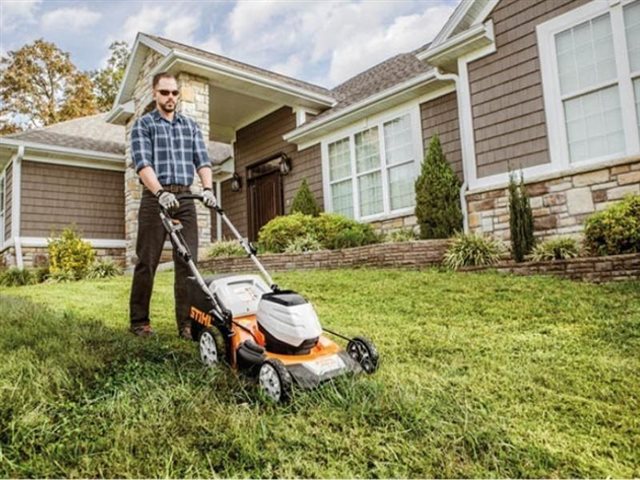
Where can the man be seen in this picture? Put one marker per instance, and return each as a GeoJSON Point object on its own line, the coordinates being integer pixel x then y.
{"type": "Point", "coordinates": [167, 149]}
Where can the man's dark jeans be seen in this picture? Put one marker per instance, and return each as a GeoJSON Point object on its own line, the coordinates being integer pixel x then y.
{"type": "Point", "coordinates": [151, 238]}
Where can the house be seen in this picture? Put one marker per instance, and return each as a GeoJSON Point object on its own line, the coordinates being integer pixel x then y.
{"type": "Point", "coordinates": [548, 89]}
{"type": "Point", "coordinates": [70, 173]}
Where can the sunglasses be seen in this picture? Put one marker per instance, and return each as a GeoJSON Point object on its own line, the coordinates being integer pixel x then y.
{"type": "Point", "coordinates": [166, 93]}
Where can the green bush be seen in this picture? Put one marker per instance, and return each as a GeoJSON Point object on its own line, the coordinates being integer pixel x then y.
{"type": "Point", "coordinates": [437, 195]}
{"type": "Point", "coordinates": [329, 229]}
{"type": "Point", "coordinates": [520, 220]}
{"type": "Point", "coordinates": [472, 250]}
{"type": "Point", "coordinates": [70, 257]}
{"type": "Point", "coordinates": [276, 235]}
{"type": "Point", "coordinates": [42, 274]}
{"type": "Point", "coordinates": [616, 230]}
{"type": "Point", "coordinates": [226, 248]}
{"type": "Point", "coordinates": [104, 269]}
{"type": "Point", "coordinates": [555, 249]}
{"type": "Point", "coordinates": [17, 277]}
{"type": "Point", "coordinates": [402, 235]}
{"type": "Point", "coordinates": [304, 201]}
{"type": "Point", "coordinates": [308, 243]}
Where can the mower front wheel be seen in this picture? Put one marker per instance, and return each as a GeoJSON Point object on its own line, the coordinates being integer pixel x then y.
{"type": "Point", "coordinates": [363, 351]}
{"type": "Point", "coordinates": [275, 380]}
{"type": "Point", "coordinates": [213, 348]}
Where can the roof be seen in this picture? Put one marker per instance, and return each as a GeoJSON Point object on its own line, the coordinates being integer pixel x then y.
{"type": "Point", "coordinates": [234, 63]}
{"type": "Point", "coordinates": [378, 78]}
{"type": "Point", "coordinates": [85, 133]}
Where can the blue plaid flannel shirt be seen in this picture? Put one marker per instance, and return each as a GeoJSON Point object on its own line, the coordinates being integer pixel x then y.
{"type": "Point", "coordinates": [175, 150]}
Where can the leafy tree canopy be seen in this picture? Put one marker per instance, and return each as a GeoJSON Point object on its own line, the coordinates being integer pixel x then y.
{"type": "Point", "coordinates": [106, 81]}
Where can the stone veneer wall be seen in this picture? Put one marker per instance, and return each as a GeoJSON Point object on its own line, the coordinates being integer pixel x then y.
{"type": "Point", "coordinates": [194, 102]}
{"type": "Point", "coordinates": [560, 205]}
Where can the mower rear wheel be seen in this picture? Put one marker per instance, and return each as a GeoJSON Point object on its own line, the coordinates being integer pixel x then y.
{"type": "Point", "coordinates": [363, 351]}
{"type": "Point", "coordinates": [213, 348]}
{"type": "Point", "coordinates": [275, 380]}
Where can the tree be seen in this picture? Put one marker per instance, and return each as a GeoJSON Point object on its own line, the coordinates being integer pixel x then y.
{"type": "Point", "coordinates": [304, 201]}
{"type": "Point", "coordinates": [40, 85]}
{"type": "Point", "coordinates": [520, 220]}
{"type": "Point", "coordinates": [106, 81]}
{"type": "Point", "coordinates": [437, 195]}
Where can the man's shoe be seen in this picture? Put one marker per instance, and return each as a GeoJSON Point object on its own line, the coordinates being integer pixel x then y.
{"type": "Point", "coordinates": [142, 331]}
{"type": "Point", "coordinates": [185, 333]}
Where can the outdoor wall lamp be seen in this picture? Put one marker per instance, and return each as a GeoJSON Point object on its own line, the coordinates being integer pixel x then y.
{"type": "Point", "coordinates": [236, 182]}
{"type": "Point", "coordinates": [285, 164]}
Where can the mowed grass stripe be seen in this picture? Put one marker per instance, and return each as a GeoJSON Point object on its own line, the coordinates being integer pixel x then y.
{"type": "Point", "coordinates": [481, 375]}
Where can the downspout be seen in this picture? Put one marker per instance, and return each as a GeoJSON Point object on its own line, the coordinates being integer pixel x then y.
{"type": "Point", "coordinates": [463, 188]}
{"type": "Point", "coordinates": [15, 205]}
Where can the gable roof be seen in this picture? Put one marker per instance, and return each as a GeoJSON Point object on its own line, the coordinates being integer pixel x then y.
{"type": "Point", "coordinates": [90, 133]}
{"type": "Point", "coordinates": [173, 45]}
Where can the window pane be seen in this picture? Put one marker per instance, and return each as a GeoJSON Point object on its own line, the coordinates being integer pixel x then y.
{"type": "Point", "coordinates": [594, 124]}
{"type": "Point", "coordinates": [632, 28]}
{"type": "Point", "coordinates": [397, 140]}
{"type": "Point", "coordinates": [367, 150]}
{"type": "Point", "coordinates": [585, 55]}
{"type": "Point", "coordinates": [370, 194]}
{"type": "Point", "coordinates": [342, 198]}
{"type": "Point", "coordinates": [401, 186]}
{"type": "Point", "coordinates": [339, 160]}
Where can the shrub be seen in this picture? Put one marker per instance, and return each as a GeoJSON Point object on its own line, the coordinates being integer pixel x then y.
{"type": "Point", "coordinates": [69, 255]}
{"type": "Point", "coordinates": [104, 269]}
{"type": "Point", "coordinates": [17, 277]}
{"type": "Point", "coordinates": [42, 274]}
{"type": "Point", "coordinates": [437, 195]}
{"type": "Point", "coordinates": [279, 232]}
{"type": "Point", "coordinates": [402, 235]}
{"type": "Point", "coordinates": [520, 220]}
{"type": "Point", "coordinates": [555, 249]}
{"type": "Point", "coordinates": [304, 201]}
{"type": "Point", "coordinates": [62, 276]}
{"type": "Point", "coordinates": [616, 230]}
{"type": "Point", "coordinates": [472, 250]}
{"type": "Point", "coordinates": [329, 225]}
{"type": "Point", "coordinates": [308, 243]}
{"type": "Point", "coordinates": [355, 235]}
{"type": "Point", "coordinates": [226, 248]}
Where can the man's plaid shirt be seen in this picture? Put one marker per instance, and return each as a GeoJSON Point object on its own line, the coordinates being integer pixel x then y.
{"type": "Point", "coordinates": [175, 150]}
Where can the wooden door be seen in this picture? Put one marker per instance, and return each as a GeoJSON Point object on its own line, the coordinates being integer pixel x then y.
{"type": "Point", "coordinates": [265, 198]}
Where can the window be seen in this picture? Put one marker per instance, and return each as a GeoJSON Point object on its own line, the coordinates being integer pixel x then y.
{"type": "Point", "coordinates": [371, 172]}
{"type": "Point", "coordinates": [590, 62]}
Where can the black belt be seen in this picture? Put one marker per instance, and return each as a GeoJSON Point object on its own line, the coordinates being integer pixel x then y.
{"type": "Point", "coordinates": [177, 188]}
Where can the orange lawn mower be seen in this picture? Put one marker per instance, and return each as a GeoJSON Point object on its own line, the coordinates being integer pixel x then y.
{"type": "Point", "coordinates": [272, 335]}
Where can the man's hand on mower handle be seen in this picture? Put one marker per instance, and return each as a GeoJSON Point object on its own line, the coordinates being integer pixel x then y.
{"type": "Point", "coordinates": [167, 199]}
{"type": "Point", "coordinates": [208, 198]}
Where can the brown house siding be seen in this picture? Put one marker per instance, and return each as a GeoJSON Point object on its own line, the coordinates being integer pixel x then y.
{"type": "Point", "coordinates": [54, 196]}
{"type": "Point", "coordinates": [8, 186]}
{"type": "Point", "coordinates": [259, 141]}
{"type": "Point", "coordinates": [506, 89]}
{"type": "Point", "coordinates": [441, 116]}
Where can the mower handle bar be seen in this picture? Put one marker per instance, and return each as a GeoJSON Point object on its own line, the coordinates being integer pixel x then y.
{"type": "Point", "coordinates": [246, 245]}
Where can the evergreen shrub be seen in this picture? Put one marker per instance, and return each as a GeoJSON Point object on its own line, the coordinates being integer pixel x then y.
{"type": "Point", "coordinates": [304, 201]}
{"type": "Point", "coordinates": [615, 230]}
{"type": "Point", "coordinates": [520, 220]}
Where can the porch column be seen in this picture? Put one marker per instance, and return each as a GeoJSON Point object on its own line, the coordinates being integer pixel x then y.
{"type": "Point", "coordinates": [194, 103]}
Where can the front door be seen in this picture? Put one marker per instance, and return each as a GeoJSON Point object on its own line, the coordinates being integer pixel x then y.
{"type": "Point", "coordinates": [265, 195]}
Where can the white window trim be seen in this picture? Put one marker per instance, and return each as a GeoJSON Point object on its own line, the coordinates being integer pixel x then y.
{"type": "Point", "coordinates": [413, 110]}
{"type": "Point", "coordinates": [4, 206]}
{"type": "Point", "coordinates": [556, 125]}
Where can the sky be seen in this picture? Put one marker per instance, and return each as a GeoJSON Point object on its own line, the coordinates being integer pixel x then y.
{"type": "Point", "coordinates": [323, 42]}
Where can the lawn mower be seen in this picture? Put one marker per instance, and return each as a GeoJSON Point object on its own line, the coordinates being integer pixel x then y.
{"type": "Point", "coordinates": [272, 335]}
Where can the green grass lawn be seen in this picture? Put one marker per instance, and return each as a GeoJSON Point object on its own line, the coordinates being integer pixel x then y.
{"type": "Point", "coordinates": [482, 375]}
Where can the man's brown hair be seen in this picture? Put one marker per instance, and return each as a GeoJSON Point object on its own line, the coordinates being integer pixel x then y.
{"type": "Point", "coordinates": [158, 76]}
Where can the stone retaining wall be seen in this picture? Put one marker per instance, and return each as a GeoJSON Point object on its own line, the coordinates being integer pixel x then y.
{"type": "Point", "coordinates": [419, 253]}
{"type": "Point", "coordinates": [590, 269]}
{"type": "Point", "coordinates": [428, 253]}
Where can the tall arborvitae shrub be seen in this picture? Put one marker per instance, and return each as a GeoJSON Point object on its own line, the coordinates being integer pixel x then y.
{"type": "Point", "coordinates": [520, 220]}
{"type": "Point", "coordinates": [304, 201]}
{"type": "Point", "coordinates": [437, 195]}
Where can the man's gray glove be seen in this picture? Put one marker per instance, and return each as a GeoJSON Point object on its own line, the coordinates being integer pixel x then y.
{"type": "Point", "coordinates": [208, 198]}
{"type": "Point", "coordinates": [167, 199]}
